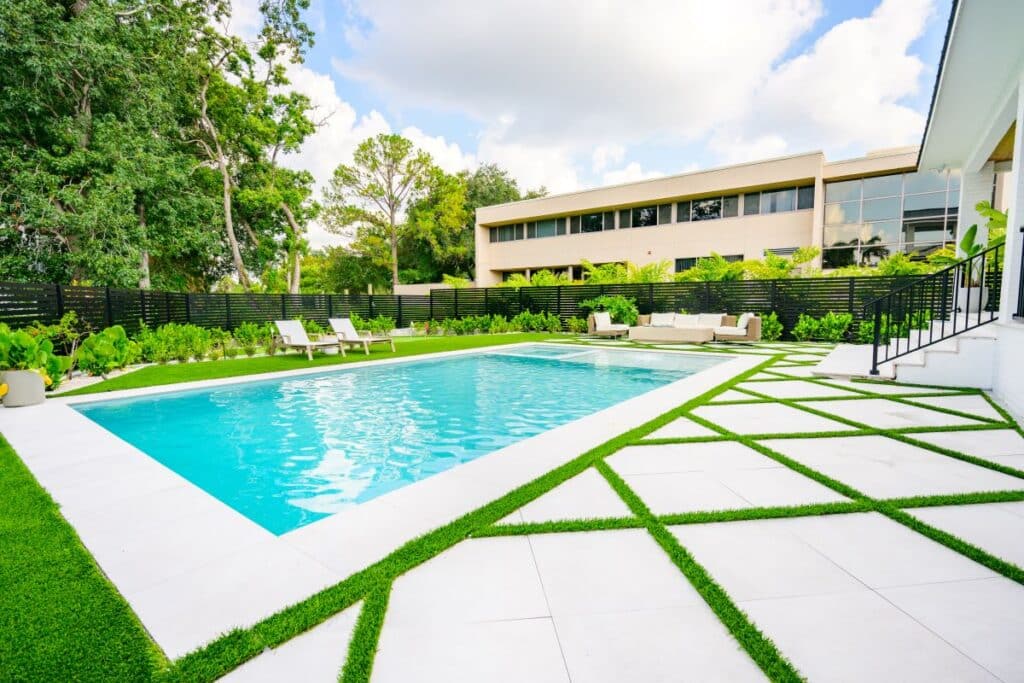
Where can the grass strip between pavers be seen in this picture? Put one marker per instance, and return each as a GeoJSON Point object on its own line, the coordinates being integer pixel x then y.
{"type": "Point", "coordinates": [363, 645]}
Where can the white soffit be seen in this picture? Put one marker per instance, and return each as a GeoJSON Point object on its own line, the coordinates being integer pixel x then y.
{"type": "Point", "coordinates": [979, 75]}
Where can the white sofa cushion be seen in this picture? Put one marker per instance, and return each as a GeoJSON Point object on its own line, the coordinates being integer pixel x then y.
{"type": "Point", "coordinates": [744, 320]}
{"type": "Point", "coordinates": [731, 331]}
{"type": "Point", "coordinates": [710, 319]}
{"type": "Point", "coordinates": [685, 320]}
{"type": "Point", "coordinates": [662, 319]}
{"type": "Point", "coordinates": [602, 320]}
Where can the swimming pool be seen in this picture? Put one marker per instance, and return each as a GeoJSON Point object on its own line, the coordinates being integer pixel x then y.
{"type": "Point", "coordinates": [286, 452]}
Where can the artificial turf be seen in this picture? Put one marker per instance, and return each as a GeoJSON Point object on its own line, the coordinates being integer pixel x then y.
{"type": "Point", "coordinates": [174, 373]}
{"type": "Point", "coordinates": [372, 585]}
{"type": "Point", "coordinates": [60, 618]}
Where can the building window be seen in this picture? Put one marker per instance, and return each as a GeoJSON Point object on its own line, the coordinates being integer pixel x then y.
{"type": "Point", "coordinates": [609, 220]}
{"type": "Point", "coordinates": [683, 212]}
{"type": "Point", "coordinates": [730, 206]}
{"type": "Point", "coordinates": [644, 216]}
{"type": "Point", "coordinates": [574, 225]}
{"type": "Point", "coordinates": [777, 201]}
{"type": "Point", "coordinates": [781, 251]}
{"type": "Point", "coordinates": [751, 203]}
{"type": "Point", "coordinates": [805, 197]}
{"type": "Point", "coordinates": [706, 209]}
{"type": "Point", "coordinates": [593, 222]}
{"type": "Point", "coordinates": [691, 261]}
{"type": "Point", "coordinates": [868, 219]}
{"type": "Point", "coordinates": [507, 233]}
{"type": "Point", "coordinates": [624, 218]}
{"type": "Point", "coordinates": [664, 214]}
{"type": "Point", "coordinates": [685, 264]}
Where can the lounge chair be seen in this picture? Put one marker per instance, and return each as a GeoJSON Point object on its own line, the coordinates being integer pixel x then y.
{"type": "Point", "coordinates": [600, 324]}
{"type": "Point", "coordinates": [746, 328]}
{"type": "Point", "coordinates": [347, 335]}
{"type": "Point", "coordinates": [292, 334]}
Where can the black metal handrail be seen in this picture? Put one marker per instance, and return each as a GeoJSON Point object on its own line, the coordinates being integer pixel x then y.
{"type": "Point", "coordinates": [941, 305]}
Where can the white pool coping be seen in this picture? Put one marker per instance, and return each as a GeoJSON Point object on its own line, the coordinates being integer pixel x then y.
{"type": "Point", "coordinates": [192, 567]}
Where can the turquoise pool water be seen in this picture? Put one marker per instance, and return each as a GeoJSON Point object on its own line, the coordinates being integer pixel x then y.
{"type": "Point", "coordinates": [287, 452]}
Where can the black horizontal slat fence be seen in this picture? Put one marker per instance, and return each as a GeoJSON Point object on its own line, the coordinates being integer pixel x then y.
{"type": "Point", "coordinates": [97, 307]}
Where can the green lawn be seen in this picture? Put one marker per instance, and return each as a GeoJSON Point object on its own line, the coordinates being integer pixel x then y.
{"type": "Point", "coordinates": [189, 372]}
{"type": "Point", "coordinates": [60, 619]}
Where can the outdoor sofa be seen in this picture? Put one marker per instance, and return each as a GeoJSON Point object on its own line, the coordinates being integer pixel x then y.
{"type": "Point", "coordinates": [695, 328]}
{"type": "Point", "coordinates": [599, 324]}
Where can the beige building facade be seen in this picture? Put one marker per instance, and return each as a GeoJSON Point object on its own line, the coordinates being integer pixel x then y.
{"type": "Point", "coordinates": [856, 211]}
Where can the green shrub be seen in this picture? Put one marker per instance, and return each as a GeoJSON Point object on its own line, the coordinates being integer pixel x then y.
{"type": "Point", "coordinates": [102, 352]}
{"type": "Point", "coordinates": [622, 309]}
{"type": "Point", "coordinates": [21, 350]}
{"type": "Point", "coordinates": [528, 321]}
{"type": "Point", "coordinates": [249, 336]}
{"type": "Point", "coordinates": [831, 327]}
{"type": "Point", "coordinates": [230, 351]}
{"type": "Point", "coordinates": [918, 320]}
{"type": "Point", "coordinates": [771, 327]}
{"type": "Point", "coordinates": [311, 326]}
{"type": "Point", "coordinates": [576, 325]}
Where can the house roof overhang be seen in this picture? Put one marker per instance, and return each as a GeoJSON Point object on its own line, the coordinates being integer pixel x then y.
{"type": "Point", "coordinates": [975, 95]}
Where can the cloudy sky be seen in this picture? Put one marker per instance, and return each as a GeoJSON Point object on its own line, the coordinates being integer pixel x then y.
{"type": "Point", "coordinates": [582, 93]}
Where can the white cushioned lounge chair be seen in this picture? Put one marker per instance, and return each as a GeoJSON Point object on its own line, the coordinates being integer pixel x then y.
{"type": "Point", "coordinates": [292, 334]}
{"type": "Point", "coordinates": [600, 323]}
{"type": "Point", "coordinates": [347, 335]}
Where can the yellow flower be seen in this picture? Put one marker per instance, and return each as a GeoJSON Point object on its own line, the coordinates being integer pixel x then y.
{"type": "Point", "coordinates": [3, 390]}
{"type": "Point", "coordinates": [46, 380]}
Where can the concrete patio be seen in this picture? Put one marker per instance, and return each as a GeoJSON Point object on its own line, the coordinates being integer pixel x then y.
{"type": "Point", "coordinates": [850, 536]}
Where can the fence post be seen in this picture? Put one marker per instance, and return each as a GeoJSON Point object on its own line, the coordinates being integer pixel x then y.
{"type": "Point", "coordinates": [167, 306]}
{"type": "Point", "coordinates": [284, 308]}
{"type": "Point", "coordinates": [519, 293]}
{"type": "Point", "coordinates": [188, 308]}
{"type": "Point", "coordinates": [330, 306]}
{"type": "Point", "coordinates": [558, 301]}
{"type": "Point", "coordinates": [706, 304]}
{"type": "Point", "coordinates": [455, 291]}
{"type": "Point", "coordinates": [371, 306]}
{"type": "Point", "coordinates": [430, 315]}
{"type": "Point", "coordinates": [108, 310]}
{"type": "Point", "coordinates": [227, 310]}
{"type": "Point", "coordinates": [487, 306]}
{"type": "Point", "coordinates": [142, 305]}
{"type": "Point", "coordinates": [650, 296]}
{"type": "Point", "coordinates": [399, 321]}
{"type": "Point", "coordinates": [853, 283]}
{"type": "Point", "coordinates": [771, 295]}
{"type": "Point", "coordinates": [60, 302]}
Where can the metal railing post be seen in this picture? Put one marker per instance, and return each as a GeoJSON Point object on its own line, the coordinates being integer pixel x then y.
{"type": "Point", "coordinates": [877, 336]}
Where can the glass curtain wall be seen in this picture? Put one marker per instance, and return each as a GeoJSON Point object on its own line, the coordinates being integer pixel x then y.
{"type": "Point", "coordinates": [867, 219]}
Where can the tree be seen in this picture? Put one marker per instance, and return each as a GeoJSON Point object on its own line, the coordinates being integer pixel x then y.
{"type": "Point", "coordinates": [375, 192]}
{"type": "Point", "coordinates": [338, 269]}
{"type": "Point", "coordinates": [712, 268]}
{"type": "Point", "coordinates": [436, 241]}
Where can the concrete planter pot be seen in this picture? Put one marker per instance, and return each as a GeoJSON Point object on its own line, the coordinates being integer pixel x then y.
{"type": "Point", "coordinates": [24, 388]}
{"type": "Point", "coordinates": [978, 299]}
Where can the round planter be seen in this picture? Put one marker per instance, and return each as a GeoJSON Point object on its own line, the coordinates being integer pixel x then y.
{"type": "Point", "coordinates": [978, 299]}
{"type": "Point", "coordinates": [24, 388]}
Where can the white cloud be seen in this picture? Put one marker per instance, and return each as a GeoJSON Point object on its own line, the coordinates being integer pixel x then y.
{"type": "Point", "coordinates": [448, 155]}
{"type": "Point", "coordinates": [574, 71]}
{"type": "Point", "coordinates": [843, 95]}
{"type": "Point", "coordinates": [631, 172]}
{"type": "Point", "coordinates": [606, 155]}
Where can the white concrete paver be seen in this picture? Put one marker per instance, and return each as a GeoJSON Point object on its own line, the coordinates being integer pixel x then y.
{"type": "Point", "coordinates": [997, 528]}
{"type": "Point", "coordinates": [585, 496]}
{"type": "Point", "coordinates": [681, 428]}
{"type": "Point", "coordinates": [732, 395]}
{"type": "Point", "coordinates": [885, 468]}
{"type": "Point", "coordinates": [482, 579]}
{"type": "Point", "coordinates": [994, 444]}
{"type": "Point", "coordinates": [724, 475]}
{"type": "Point", "coordinates": [813, 586]}
{"type": "Point", "coordinates": [885, 414]}
{"type": "Point", "coordinates": [317, 655]}
{"type": "Point", "coordinates": [493, 651]}
{"type": "Point", "coordinates": [794, 389]}
{"type": "Point", "coordinates": [769, 418]}
{"type": "Point", "coordinates": [973, 405]}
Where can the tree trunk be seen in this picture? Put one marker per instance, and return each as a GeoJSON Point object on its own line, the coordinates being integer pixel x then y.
{"type": "Point", "coordinates": [144, 281]}
{"type": "Point", "coordinates": [229, 225]}
{"type": "Point", "coordinates": [296, 251]}
{"type": "Point", "coordinates": [394, 254]}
